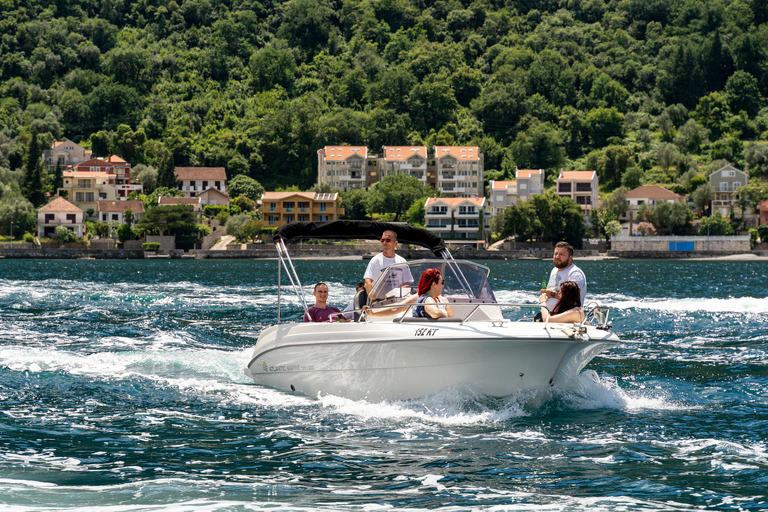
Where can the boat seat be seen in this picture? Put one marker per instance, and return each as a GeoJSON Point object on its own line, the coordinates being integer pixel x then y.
{"type": "Point", "coordinates": [360, 299]}
{"type": "Point", "coordinates": [410, 319]}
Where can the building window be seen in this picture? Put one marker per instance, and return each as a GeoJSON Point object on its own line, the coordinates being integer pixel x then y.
{"type": "Point", "coordinates": [583, 187]}
{"type": "Point", "coordinates": [49, 217]}
{"type": "Point", "coordinates": [288, 205]}
{"type": "Point", "coordinates": [272, 206]}
{"type": "Point", "coordinates": [114, 216]}
{"type": "Point", "coordinates": [273, 219]}
{"type": "Point", "coordinates": [322, 217]}
{"type": "Point", "coordinates": [564, 188]}
{"type": "Point", "coordinates": [89, 197]}
{"type": "Point", "coordinates": [217, 184]}
{"type": "Point", "coordinates": [289, 218]}
{"type": "Point", "coordinates": [322, 208]}
{"type": "Point", "coordinates": [303, 205]}
{"type": "Point", "coordinates": [302, 218]}
{"type": "Point", "coordinates": [79, 197]}
{"type": "Point", "coordinates": [724, 186]}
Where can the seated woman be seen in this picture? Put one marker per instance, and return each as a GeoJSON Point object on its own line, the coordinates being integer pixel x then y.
{"type": "Point", "coordinates": [430, 288]}
{"type": "Point", "coordinates": [568, 308]}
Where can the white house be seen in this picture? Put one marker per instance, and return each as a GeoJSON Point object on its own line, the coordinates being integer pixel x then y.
{"type": "Point", "coordinates": [59, 212]}
{"type": "Point", "coordinates": [457, 217]}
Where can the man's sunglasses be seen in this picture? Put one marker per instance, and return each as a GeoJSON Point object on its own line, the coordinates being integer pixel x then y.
{"type": "Point", "coordinates": [387, 240]}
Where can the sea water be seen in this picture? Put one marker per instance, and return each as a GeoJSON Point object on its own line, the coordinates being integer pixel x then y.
{"type": "Point", "coordinates": [122, 389]}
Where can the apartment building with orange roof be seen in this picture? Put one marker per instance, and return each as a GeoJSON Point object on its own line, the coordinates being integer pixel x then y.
{"type": "Point", "coordinates": [458, 218]}
{"type": "Point", "coordinates": [407, 160]}
{"type": "Point", "coordinates": [346, 167]}
{"type": "Point", "coordinates": [459, 171]}
{"type": "Point", "coordinates": [581, 186]}
{"type": "Point", "coordinates": [527, 183]}
{"type": "Point", "coordinates": [279, 208]}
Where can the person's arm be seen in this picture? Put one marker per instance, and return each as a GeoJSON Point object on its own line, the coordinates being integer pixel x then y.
{"type": "Point", "coordinates": [368, 285]}
{"type": "Point", "coordinates": [572, 315]}
{"type": "Point", "coordinates": [434, 311]}
{"type": "Point", "coordinates": [393, 309]}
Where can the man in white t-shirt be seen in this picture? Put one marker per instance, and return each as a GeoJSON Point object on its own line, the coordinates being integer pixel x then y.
{"type": "Point", "coordinates": [384, 259]}
{"type": "Point", "coordinates": [564, 270]}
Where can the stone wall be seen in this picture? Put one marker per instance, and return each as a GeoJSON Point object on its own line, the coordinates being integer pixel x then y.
{"type": "Point", "coordinates": [167, 243]}
{"type": "Point", "coordinates": [680, 244]}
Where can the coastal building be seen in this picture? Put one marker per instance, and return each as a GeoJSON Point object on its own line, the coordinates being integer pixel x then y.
{"type": "Point", "coordinates": [118, 173]}
{"type": "Point", "coordinates": [459, 171]}
{"type": "Point", "coordinates": [194, 181]}
{"type": "Point", "coordinates": [407, 160]}
{"type": "Point", "coordinates": [114, 211]}
{"type": "Point", "coordinates": [86, 188]}
{"type": "Point", "coordinates": [527, 183]}
{"type": "Point", "coordinates": [650, 196]}
{"type": "Point", "coordinates": [214, 197]}
{"type": "Point", "coordinates": [346, 167]}
{"type": "Point", "coordinates": [581, 186]}
{"type": "Point", "coordinates": [279, 208]}
{"type": "Point", "coordinates": [725, 182]}
{"type": "Point", "coordinates": [763, 209]}
{"type": "Point", "coordinates": [195, 202]}
{"type": "Point", "coordinates": [66, 154]}
{"type": "Point", "coordinates": [464, 218]}
{"type": "Point", "coordinates": [59, 212]}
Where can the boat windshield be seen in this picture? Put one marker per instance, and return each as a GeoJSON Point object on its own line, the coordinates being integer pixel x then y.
{"type": "Point", "coordinates": [463, 279]}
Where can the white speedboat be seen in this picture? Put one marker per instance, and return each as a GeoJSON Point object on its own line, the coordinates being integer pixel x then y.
{"type": "Point", "coordinates": [496, 349]}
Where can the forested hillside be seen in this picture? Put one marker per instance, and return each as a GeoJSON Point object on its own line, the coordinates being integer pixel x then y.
{"type": "Point", "coordinates": [645, 91]}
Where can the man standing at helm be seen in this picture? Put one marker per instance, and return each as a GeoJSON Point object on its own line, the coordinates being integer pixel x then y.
{"type": "Point", "coordinates": [385, 258]}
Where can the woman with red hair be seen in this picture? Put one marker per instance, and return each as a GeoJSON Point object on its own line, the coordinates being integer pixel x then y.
{"type": "Point", "coordinates": [430, 288]}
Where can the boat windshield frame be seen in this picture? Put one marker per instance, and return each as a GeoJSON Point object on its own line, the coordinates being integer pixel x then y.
{"type": "Point", "coordinates": [462, 278]}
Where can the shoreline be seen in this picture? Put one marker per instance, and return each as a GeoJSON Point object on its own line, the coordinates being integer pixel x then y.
{"type": "Point", "coordinates": [357, 253]}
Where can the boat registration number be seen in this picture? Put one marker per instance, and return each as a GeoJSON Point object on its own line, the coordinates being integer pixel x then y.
{"type": "Point", "coordinates": [423, 331]}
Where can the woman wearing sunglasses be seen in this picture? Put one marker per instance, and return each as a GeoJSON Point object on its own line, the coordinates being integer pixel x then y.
{"type": "Point", "coordinates": [430, 290]}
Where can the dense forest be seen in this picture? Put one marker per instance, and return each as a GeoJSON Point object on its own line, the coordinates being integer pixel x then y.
{"type": "Point", "coordinates": [643, 91]}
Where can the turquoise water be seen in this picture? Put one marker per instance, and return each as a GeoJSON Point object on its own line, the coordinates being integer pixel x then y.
{"type": "Point", "coordinates": [122, 389]}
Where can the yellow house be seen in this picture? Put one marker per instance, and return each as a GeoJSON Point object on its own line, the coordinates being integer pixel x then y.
{"type": "Point", "coordinates": [279, 208]}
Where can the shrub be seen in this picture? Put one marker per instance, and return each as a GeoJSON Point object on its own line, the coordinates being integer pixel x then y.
{"type": "Point", "coordinates": [213, 210]}
{"type": "Point", "coordinates": [762, 232]}
{"type": "Point", "coordinates": [29, 237]}
{"type": "Point", "coordinates": [65, 235]}
{"type": "Point", "coordinates": [151, 246]}
{"type": "Point", "coordinates": [124, 233]}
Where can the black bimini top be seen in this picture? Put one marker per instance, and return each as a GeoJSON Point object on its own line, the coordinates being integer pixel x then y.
{"type": "Point", "coordinates": [364, 229]}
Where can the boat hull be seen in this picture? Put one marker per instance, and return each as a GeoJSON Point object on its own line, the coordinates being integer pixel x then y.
{"type": "Point", "coordinates": [395, 361]}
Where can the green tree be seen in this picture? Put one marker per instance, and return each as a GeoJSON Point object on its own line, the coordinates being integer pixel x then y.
{"type": "Point", "coordinates": [671, 218]}
{"type": "Point", "coordinates": [416, 213]}
{"type": "Point", "coordinates": [604, 123]}
{"type": "Point", "coordinates": [617, 202]}
{"type": "Point", "coordinates": [242, 185]}
{"type": "Point", "coordinates": [540, 147]}
{"type": "Point", "coordinates": [236, 225]}
{"type": "Point", "coordinates": [146, 175]}
{"type": "Point", "coordinates": [743, 93]}
{"type": "Point", "coordinates": [715, 225]}
{"type": "Point", "coordinates": [354, 202]}
{"type": "Point", "coordinates": [177, 219]}
{"type": "Point", "coordinates": [166, 173]}
{"type": "Point", "coordinates": [702, 197]}
{"type": "Point", "coordinates": [395, 195]}
{"type": "Point", "coordinates": [32, 184]}
{"type": "Point", "coordinates": [64, 235]}
{"type": "Point", "coordinates": [271, 67]}
{"type": "Point", "coordinates": [251, 230]}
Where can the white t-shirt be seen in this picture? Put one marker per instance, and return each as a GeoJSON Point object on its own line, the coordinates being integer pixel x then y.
{"type": "Point", "coordinates": [570, 273]}
{"type": "Point", "coordinates": [379, 263]}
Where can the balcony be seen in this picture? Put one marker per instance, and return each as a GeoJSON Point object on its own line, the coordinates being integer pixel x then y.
{"type": "Point", "coordinates": [59, 222]}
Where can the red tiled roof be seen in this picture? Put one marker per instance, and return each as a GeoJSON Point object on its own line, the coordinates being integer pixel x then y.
{"type": "Point", "coordinates": [504, 184]}
{"type": "Point", "coordinates": [577, 175]}
{"type": "Point", "coordinates": [455, 201]}
{"type": "Point", "coordinates": [178, 200]}
{"type": "Point", "coordinates": [201, 173]}
{"type": "Point", "coordinates": [652, 192]}
{"type": "Point", "coordinates": [341, 153]}
{"type": "Point", "coordinates": [120, 206]}
{"type": "Point", "coordinates": [60, 205]}
{"type": "Point", "coordinates": [461, 153]}
{"type": "Point", "coordinates": [400, 153]}
{"type": "Point", "coordinates": [526, 173]}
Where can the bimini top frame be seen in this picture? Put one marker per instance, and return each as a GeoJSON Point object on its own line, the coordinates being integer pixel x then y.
{"type": "Point", "coordinates": [353, 229]}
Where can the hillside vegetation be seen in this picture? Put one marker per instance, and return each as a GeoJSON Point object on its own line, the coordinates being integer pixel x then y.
{"type": "Point", "coordinates": [643, 91]}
